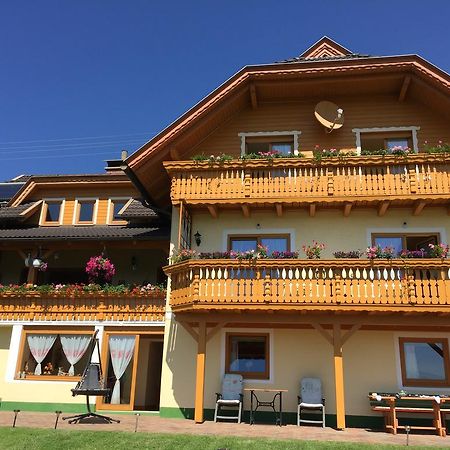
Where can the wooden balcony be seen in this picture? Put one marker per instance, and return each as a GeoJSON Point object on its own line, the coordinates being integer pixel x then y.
{"type": "Point", "coordinates": [366, 180]}
{"type": "Point", "coordinates": [34, 306]}
{"type": "Point", "coordinates": [293, 285]}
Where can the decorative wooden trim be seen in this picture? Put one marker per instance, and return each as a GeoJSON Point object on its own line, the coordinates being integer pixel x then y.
{"type": "Point", "coordinates": [250, 375]}
{"type": "Point", "coordinates": [425, 382]}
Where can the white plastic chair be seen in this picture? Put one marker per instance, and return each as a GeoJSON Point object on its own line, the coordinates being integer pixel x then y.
{"type": "Point", "coordinates": [231, 396]}
{"type": "Point", "coordinates": [311, 399]}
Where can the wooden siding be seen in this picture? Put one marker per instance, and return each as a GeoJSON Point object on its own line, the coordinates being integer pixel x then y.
{"type": "Point", "coordinates": [359, 112]}
{"type": "Point", "coordinates": [84, 307]}
{"type": "Point", "coordinates": [292, 285]}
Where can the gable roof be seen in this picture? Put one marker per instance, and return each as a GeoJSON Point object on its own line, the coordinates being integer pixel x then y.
{"type": "Point", "coordinates": [145, 164]}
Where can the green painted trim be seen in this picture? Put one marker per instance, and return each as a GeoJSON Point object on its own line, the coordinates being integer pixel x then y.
{"type": "Point", "coordinates": [136, 411]}
{"type": "Point", "coordinates": [45, 407]}
{"type": "Point", "coordinates": [177, 413]}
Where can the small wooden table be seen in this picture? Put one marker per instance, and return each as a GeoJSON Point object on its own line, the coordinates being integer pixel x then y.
{"type": "Point", "coordinates": [392, 408]}
{"type": "Point", "coordinates": [255, 403]}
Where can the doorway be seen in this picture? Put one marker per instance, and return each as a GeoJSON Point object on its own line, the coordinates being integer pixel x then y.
{"type": "Point", "coordinates": [132, 365]}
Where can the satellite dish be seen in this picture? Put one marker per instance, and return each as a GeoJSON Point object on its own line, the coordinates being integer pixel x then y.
{"type": "Point", "coordinates": [329, 115]}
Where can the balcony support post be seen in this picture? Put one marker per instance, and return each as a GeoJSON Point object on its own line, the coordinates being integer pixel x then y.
{"type": "Point", "coordinates": [200, 375]}
{"type": "Point", "coordinates": [338, 377]}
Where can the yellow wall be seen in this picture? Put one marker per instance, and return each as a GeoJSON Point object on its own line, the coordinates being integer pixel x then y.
{"type": "Point", "coordinates": [328, 226]}
{"type": "Point", "coordinates": [370, 365]}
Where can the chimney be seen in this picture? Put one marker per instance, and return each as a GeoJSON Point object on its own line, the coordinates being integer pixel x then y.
{"type": "Point", "coordinates": [115, 165]}
{"type": "Point", "coordinates": [124, 155]}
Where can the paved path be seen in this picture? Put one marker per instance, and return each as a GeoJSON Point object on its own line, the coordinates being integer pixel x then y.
{"type": "Point", "coordinates": [156, 424]}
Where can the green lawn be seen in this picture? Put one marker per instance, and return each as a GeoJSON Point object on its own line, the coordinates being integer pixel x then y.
{"type": "Point", "coordinates": [33, 439]}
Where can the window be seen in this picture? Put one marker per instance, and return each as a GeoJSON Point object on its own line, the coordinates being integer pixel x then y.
{"type": "Point", "coordinates": [273, 243]}
{"type": "Point", "coordinates": [116, 205]}
{"type": "Point", "coordinates": [405, 241]}
{"type": "Point", "coordinates": [85, 211]}
{"type": "Point", "coordinates": [264, 141]}
{"type": "Point", "coordinates": [51, 355]}
{"type": "Point", "coordinates": [387, 138]}
{"type": "Point", "coordinates": [424, 362]}
{"type": "Point", "coordinates": [248, 355]}
{"type": "Point", "coordinates": [398, 142]}
{"type": "Point", "coordinates": [52, 212]}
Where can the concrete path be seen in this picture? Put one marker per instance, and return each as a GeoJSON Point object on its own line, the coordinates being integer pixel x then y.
{"type": "Point", "coordinates": [156, 424]}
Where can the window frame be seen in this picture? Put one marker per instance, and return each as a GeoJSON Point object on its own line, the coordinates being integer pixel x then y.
{"type": "Point", "coordinates": [58, 331]}
{"type": "Point", "coordinates": [110, 216]}
{"type": "Point", "coordinates": [273, 136]}
{"type": "Point", "coordinates": [44, 208]}
{"type": "Point", "coordinates": [412, 382]}
{"type": "Point", "coordinates": [247, 375]}
{"type": "Point", "coordinates": [77, 210]}
{"type": "Point", "coordinates": [258, 238]}
{"type": "Point", "coordinates": [404, 236]}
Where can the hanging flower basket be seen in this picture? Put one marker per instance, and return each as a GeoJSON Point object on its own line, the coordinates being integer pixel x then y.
{"type": "Point", "coordinates": [100, 270]}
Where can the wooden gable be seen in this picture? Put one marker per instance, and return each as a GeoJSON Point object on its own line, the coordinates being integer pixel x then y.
{"type": "Point", "coordinates": [325, 48]}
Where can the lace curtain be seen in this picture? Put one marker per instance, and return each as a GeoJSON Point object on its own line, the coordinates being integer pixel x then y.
{"type": "Point", "coordinates": [40, 345]}
{"type": "Point", "coordinates": [121, 349]}
{"type": "Point", "coordinates": [74, 347]}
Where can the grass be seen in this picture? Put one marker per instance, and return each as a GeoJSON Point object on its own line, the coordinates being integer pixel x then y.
{"type": "Point", "coordinates": [34, 439]}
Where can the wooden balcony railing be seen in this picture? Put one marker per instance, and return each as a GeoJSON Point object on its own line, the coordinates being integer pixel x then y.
{"type": "Point", "coordinates": [333, 179]}
{"type": "Point", "coordinates": [34, 306]}
{"type": "Point", "coordinates": [417, 285]}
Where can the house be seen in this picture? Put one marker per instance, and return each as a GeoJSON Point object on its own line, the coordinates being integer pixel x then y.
{"type": "Point", "coordinates": [344, 149]}
{"type": "Point", "coordinates": [49, 229]}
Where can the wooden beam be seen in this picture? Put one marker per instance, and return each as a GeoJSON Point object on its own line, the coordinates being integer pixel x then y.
{"type": "Point", "coordinates": [338, 377]}
{"type": "Point", "coordinates": [383, 207]}
{"type": "Point", "coordinates": [214, 211]}
{"type": "Point", "coordinates": [32, 275]}
{"type": "Point", "coordinates": [174, 154]}
{"type": "Point", "coordinates": [180, 224]}
{"type": "Point", "coordinates": [418, 207]}
{"type": "Point", "coordinates": [189, 329]}
{"type": "Point", "coordinates": [200, 375]}
{"type": "Point", "coordinates": [214, 330]}
{"type": "Point", "coordinates": [312, 209]}
{"type": "Point", "coordinates": [404, 88]}
{"type": "Point", "coordinates": [347, 209]}
{"type": "Point", "coordinates": [253, 97]}
{"type": "Point", "coordinates": [350, 332]}
{"type": "Point", "coordinates": [279, 209]}
{"type": "Point", "coordinates": [246, 210]}
{"type": "Point", "coordinates": [322, 331]}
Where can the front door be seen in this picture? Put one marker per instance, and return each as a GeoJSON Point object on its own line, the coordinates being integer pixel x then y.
{"type": "Point", "coordinates": [119, 362]}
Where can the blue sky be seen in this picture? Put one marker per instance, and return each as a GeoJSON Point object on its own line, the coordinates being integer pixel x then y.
{"type": "Point", "coordinates": [80, 80]}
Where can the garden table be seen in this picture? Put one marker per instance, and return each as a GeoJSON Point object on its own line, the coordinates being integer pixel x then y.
{"type": "Point", "coordinates": [256, 403]}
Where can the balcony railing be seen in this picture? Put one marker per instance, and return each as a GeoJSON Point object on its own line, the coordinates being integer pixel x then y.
{"type": "Point", "coordinates": [333, 179]}
{"type": "Point", "coordinates": [34, 306]}
{"type": "Point", "coordinates": [418, 285]}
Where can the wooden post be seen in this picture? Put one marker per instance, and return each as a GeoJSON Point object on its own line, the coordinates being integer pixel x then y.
{"type": "Point", "coordinates": [339, 377]}
{"type": "Point", "coordinates": [32, 275]}
{"type": "Point", "coordinates": [200, 377]}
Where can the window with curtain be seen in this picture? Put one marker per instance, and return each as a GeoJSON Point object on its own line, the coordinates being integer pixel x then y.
{"type": "Point", "coordinates": [53, 355]}
{"type": "Point", "coordinates": [405, 241]}
{"type": "Point", "coordinates": [248, 355]}
{"type": "Point", "coordinates": [243, 243]}
{"type": "Point", "coordinates": [424, 362]}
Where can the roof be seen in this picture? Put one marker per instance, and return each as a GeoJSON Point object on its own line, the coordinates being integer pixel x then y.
{"type": "Point", "coordinates": [20, 212]}
{"type": "Point", "coordinates": [85, 233]}
{"type": "Point", "coordinates": [135, 209]}
{"type": "Point", "coordinates": [300, 59]}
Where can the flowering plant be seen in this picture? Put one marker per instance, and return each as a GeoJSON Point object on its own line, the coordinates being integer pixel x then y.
{"type": "Point", "coordinates": [407, 254]}
{"type": "Point", "coordinates": [284, 255]}
{"type": "Point", "coordinates": [218, 255]}
{"type": "Point", "coordinates": [43, 267]}
{"type": "Point", "coordinates": [398, 150]}
{"type": "Point", "coordinates": [438, 250]}
{"type": "Point", "coordinates": [376, 252]}
{"type": "Point", "coordinates": [353, 254]}
{"type": "Point", "coordinates": [314, 250]}
{"type": "Point", "coordinates": [259, 253]}
{"type": "Point", "coordinates": [100, 269]}
{"type": "Point", "coordinates": [439, 147]}
{"type": "Point", "coordinates": [182, 254]}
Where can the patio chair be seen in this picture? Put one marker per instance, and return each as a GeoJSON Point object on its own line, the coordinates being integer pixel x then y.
{"type": "Point", "coordinates": [310, 399]}
{"type": "Point", "coordinates": [231, 396]}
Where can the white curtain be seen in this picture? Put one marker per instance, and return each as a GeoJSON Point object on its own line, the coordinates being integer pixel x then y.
{"type": "Point", "coordinates": [121, 349]}
{"type": "Point", "coordinates": [40, 345]}
{"type": "Point", "coordinates": [74, 347]}
{"type": "Point", "coordinates": [412, 367]}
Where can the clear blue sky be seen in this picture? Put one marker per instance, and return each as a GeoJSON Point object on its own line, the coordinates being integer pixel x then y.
{"type": "Point", "coordinates": [83, 79]}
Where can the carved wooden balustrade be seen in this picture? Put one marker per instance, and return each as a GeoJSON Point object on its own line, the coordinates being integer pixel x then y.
{"type": "Point", "coordinates": [361, 178]}
{"type": "Point", "coordinates": [264, 284]}
{"type": "Point", "coordinates": [34, 306]}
